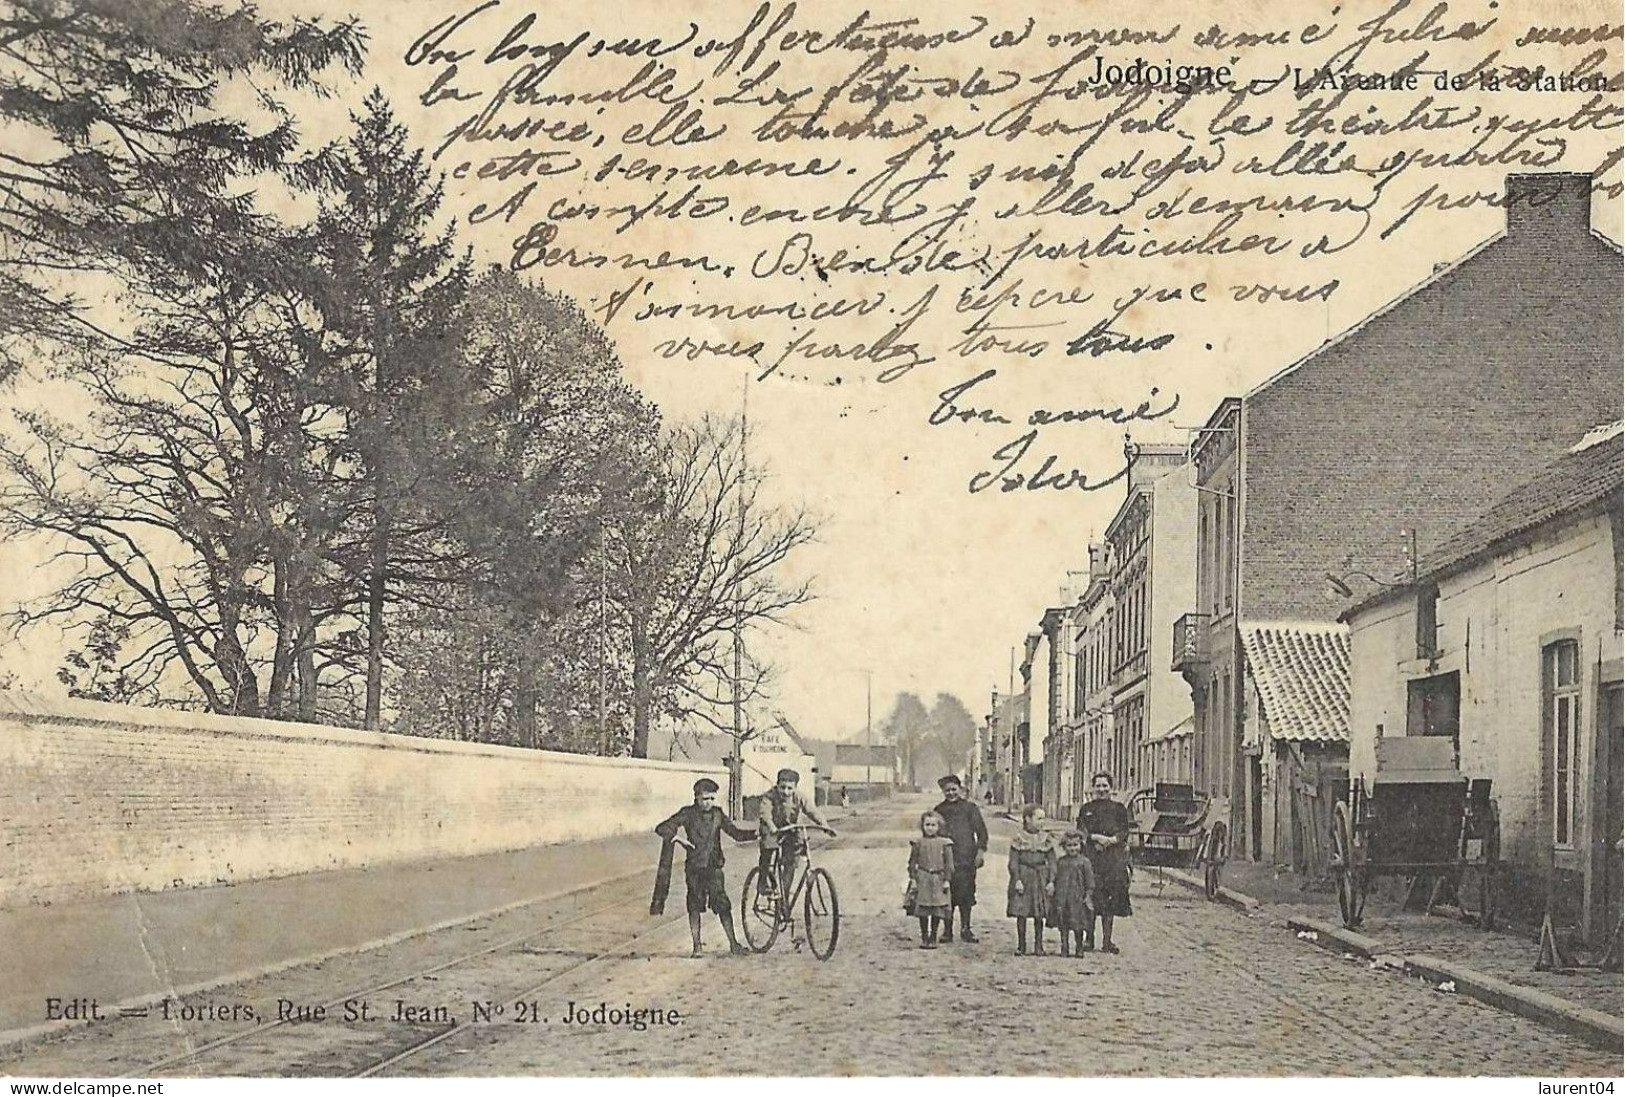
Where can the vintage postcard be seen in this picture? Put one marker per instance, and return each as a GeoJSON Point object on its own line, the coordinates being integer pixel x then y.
{"type": "Point", "coordinates": [761, 538]}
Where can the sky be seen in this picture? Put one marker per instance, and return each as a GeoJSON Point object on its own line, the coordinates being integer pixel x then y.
{"type": "Point", "coordinates": [921, 585]}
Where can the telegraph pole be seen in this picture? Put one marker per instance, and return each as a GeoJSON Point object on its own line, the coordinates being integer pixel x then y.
{"type": "Point", "coordinates": [868, 729]}
{"type": "Point", "coordinates": [1010, 713]}
{"type": "Point", "coordinates": [736, 785]}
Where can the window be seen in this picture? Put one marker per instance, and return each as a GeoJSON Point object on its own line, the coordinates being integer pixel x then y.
{"type": "Point", "coordinates": [1204, 538]}
{"type": "Point", "coordinates": [1560, 677]}
{"type": "Point", "coordinates": [1434, 706]}
{"type": "Point", "coordinates": [1427, 622]}
{"type": "Point", "coordinates": [1230, 545]}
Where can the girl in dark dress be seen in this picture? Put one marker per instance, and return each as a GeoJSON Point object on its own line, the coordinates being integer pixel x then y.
{"type": "Point", "coordinates": [1106, 824]}
{"type": "Point", "coordinates": [1071, 908]}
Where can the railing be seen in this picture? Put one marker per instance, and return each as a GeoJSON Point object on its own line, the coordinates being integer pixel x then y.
{"type": "Point", "coordinates": [1190, 642]}
{"type": "Point", "coordinates": [1132, 669]}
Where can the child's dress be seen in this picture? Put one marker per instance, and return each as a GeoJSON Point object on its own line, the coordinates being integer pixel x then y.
{"type": "Point", "coordinates": [930, 864]}
{"type": "Point", "coordinates": [1032, 864]}
{"type": "Point", "coordinates": [1074, 886]}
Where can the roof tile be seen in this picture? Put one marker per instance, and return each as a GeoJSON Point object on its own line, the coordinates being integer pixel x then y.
{"type": "Point", "coordinates": [1302, 675]}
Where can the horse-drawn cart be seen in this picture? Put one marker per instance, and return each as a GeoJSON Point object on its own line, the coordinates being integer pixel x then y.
{"type": "Point", "coordinates": [1172, 830]}
{"type": "Point", "coordinates": [1421, 819]}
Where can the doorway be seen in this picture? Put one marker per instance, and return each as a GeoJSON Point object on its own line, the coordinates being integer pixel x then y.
{"type": "Point", "coordinates": [1255, 801]}
{"type": "Point", "coordinates": [1613, 813]}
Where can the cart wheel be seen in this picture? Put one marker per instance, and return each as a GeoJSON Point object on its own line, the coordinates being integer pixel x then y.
{"type": "Point", "coordinates": [1350, 882]}
{"type": "Point", "coordinates": [1218, 852]}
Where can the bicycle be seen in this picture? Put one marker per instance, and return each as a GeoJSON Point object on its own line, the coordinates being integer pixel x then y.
{"type": "Point", "coordinates": [767, 910]}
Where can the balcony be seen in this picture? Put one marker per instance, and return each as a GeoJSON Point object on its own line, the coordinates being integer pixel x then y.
{"type": "Point", "coordinates": [1190, 643]}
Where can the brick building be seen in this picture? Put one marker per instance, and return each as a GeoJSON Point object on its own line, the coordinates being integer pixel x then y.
{"type": "Point", "coordinates": [1417, 419]}
{"type": "Point", "coordinates": [1508, 642]}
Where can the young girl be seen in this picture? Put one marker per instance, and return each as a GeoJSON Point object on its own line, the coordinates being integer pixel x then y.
{"type": "Point", "coordinates": [930, 864]}
{"type": "Point", "coordinates": [1032, 869]}
{"type": "Point", "coordinates": [1070, 906]}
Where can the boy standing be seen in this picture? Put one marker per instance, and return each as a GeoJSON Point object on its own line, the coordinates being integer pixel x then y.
{"type": "Point", "coordinates": [699, 827]}
{"type": "Point", "coordinates": [962, 822]}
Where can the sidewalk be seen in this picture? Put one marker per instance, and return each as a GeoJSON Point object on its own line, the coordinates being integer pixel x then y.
{"type": "Point", "coordinates": [1504, 956]}
{"type": "Point", "coordinates": [149, 945]}
{"type": "Point", "coordinates": [145, 946]}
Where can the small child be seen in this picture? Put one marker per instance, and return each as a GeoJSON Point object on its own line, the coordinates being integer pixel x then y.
{"type": "Point", "coordinates": [1071, 904]}
{"type": "Point", "coordinates": [1032, 870]}
{"type": "Point", "coordinates": [930, 866]}
{"type": "Point", "coordinates": [699, 828]}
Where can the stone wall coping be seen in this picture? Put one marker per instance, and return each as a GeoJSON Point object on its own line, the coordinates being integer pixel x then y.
{"type": "Point", "coordinates": [25, 706]}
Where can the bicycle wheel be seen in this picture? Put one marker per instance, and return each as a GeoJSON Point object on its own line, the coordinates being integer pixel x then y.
{"type": "Point", "coordinates": [823, 914]}
{"type": "Point", "coordinates": [758, 913]}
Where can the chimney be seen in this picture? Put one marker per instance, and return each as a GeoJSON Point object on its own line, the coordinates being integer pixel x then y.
{"type": "Point", "coordinates": [1151, 462]}
{"type": "Point", "coordinates": [1097, 559]}
{"type": "Point", "coordinates": [1548, 204]}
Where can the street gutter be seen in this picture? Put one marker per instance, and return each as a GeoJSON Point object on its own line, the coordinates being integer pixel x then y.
{"type": "Point", "coordinates": [1594, 1027]}
{"type": "Point", "coordinates": [1235, 899]}
{"type": "Point", "coordinates": [1590, 1025]}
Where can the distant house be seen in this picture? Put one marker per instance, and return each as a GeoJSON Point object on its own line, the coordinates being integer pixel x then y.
{"type": "Point", "coordinates": [775, 745]}
{"type": "Point", "coordinates": [1508, 642]}
{"type": "Point", "coordinates": [1387, 439]}
{"type": "Point", "coordinates": [999, 748]}
{"type": "Point", "coordinates": [857, 765]}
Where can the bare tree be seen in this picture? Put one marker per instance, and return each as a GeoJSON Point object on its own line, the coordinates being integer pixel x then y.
{"type": "Point", "coordinates": [954, 729]}
{"type": "Point", "coordinates": [157, 500]}
{"type": "Point", "coordinates": [700, 560]}
{"type": "Point", "coordinates": [908, 728]}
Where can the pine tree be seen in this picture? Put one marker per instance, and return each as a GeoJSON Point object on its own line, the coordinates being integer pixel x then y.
{"type": "Point", "coordinates": [118, 149]}
{"type": "Point", "coordinates": [393, 297]}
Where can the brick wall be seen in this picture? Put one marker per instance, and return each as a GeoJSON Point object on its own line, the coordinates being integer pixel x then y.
{"type": "Point", "coordinates": [1428, 413]}
{"type": "Point", "coordinates": [105, 798]}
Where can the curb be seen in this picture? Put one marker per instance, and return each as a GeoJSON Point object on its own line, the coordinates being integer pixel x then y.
{"type": "Point", "coordinates": [1536, 1005]}
{"type": "Point", "coordinates": [1366, 948]}
{"type": "Point", "coordinates": [1229, 897]}
{"type": "Point", "coordinates": [1592, 1026]}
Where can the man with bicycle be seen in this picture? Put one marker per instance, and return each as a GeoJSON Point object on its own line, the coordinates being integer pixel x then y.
{"type": "Point", "coordinates": [780, 811]}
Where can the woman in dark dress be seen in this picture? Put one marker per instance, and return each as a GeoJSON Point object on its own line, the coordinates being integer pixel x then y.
{"type": "Point", "coordinates": [1106, 823]}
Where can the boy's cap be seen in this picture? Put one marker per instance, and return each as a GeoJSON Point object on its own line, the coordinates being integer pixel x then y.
{"type": "Point", "coordinates": [705, 784]}
{"type": "Point", "coordinates": [789, 775]}
{"type": "Point", "coordinates": [951, 779]}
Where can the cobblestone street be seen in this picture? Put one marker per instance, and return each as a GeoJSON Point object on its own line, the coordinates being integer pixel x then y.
{"type": "Point", "coordinates": [1199, 989]}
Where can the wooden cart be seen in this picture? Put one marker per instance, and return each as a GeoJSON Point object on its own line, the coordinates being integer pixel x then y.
{"type": "Point", "coordinates": [1423, 820]}
{"type": "Point", "coordinates": [1180, 834]}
